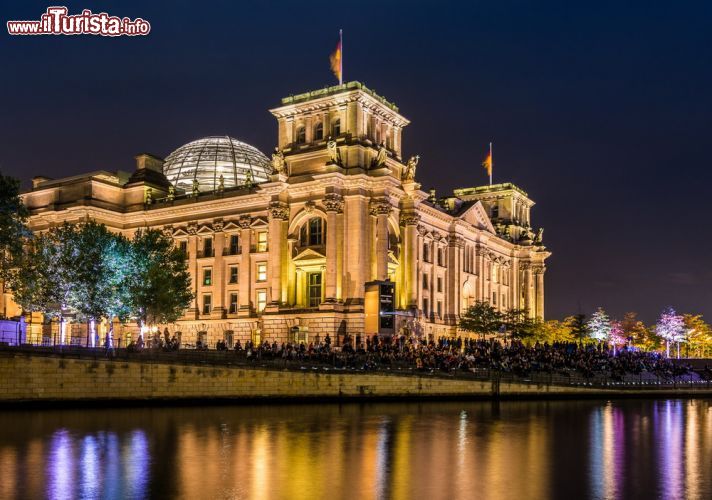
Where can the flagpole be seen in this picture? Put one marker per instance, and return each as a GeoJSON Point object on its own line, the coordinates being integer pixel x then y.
{"type": "Point", "coordinates": [491, 164]}
{"type": "Point", "coordinates": [341, 59]}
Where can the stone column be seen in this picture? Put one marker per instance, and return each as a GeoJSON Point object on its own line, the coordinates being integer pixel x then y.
{"type": "Point", "coordinates": [291, 273]}
{"type": "Point", "coordinates": [334, 205]}
{"type": "Point", "coordinates": [381, 209]}
{"type": "Point", "coordinates": [278, 217]}
{"type": "Point", "coordinates": [410, 221]}
{"type": "Point", "coordinates": [193, 269]}
{"type": "Point", "coordinates": [218, 271]}
{"type": "Point", "coordinates": [528, 299]}
{"type": "Point", "coordinates": [245, 266]}
{"type": "Point", "coordinates": [539, 284]}
{"type": "Point", "coordinates": [357, 247]}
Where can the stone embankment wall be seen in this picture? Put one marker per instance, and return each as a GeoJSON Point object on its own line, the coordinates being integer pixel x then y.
{"type": "Point", "coordinates": [26, 378]}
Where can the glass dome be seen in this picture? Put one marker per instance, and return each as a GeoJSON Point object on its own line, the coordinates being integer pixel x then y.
{"type": "Point", "coordinates": [205, 160]}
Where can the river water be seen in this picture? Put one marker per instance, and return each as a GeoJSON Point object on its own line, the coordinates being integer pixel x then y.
{"type": "Point", "coordinates": [518, 450]}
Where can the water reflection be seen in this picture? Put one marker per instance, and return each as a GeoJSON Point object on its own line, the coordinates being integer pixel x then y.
{"type": "Point", "coordinates": [646, 449]}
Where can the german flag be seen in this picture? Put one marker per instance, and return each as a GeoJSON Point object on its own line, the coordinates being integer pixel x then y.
{"type": "Point", "coordinates": [336, 60]}
{"type": "Point", "coordinates": [488, 163]}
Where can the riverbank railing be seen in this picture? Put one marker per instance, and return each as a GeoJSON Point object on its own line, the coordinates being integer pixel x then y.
{"type": "Point", "coordinates": [333, 363]}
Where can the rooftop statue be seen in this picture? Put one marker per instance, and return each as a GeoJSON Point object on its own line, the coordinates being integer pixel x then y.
{"type": "Point", "coordinates": [410, 167]}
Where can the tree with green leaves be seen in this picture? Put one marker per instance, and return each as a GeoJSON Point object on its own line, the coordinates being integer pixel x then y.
{"type": "Point", "coordinates": [159, 287]}
{"type": "Point", "coordinates": [481, 318]}
{"type": "Point", "coordinates": [42, 273]}
{"type": "Point", "coordinates": [100, 277]}
{"type": "Point", "coordinates": [577, 324]}
{"type": "Point", "coordinates": [13, 218]}
{"type": "Point", "coordinates": [518, 324]}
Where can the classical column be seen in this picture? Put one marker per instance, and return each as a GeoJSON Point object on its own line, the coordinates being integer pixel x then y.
{"type": "Point", "coordinates": [539, 284]}
{"type": "Point", "coordinates": [291, 273]}
{"type": "Point", "coordinates": [381, 209]}
{"type": "Point", "coordinates": [218, 271]}
{"type": "Point", "coordinates": [410, 221]}
{"type": "Point", "coordinates": [193, 269]}
{"type": "Point", "coordinates": [357, 247]}
{"type": "Point", "coordinates": [245, 265]}
{"type": "Point", "coordinates": [455, 244]}
{"type": "Point", "coordinates": [528, 299]}
{"type": "Point", "coordinates": [278, 217]}
{"type": "Point", "coordinates": [334, 205]}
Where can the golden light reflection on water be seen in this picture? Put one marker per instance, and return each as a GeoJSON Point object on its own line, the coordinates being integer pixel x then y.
{"type": "Point", "coordinates": [454, 450]}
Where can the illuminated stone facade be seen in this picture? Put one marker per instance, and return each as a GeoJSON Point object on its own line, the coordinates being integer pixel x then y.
{"type": "Point", "coordinates": [341, 207]}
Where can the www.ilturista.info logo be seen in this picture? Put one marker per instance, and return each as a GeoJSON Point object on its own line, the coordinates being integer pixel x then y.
{"type": "Point", "coordinates": [56, 21]}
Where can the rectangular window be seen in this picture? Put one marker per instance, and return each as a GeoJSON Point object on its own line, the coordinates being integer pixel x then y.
{"type": "Point", "coordinates": [426, 310]}
{"type": "Point", "coordinates": [316, 231]}
{"type": "Point", "coordinates": [234, 274]}
{"type": "Point", "coordinates": [234, 244]}
{"type": "Point", "coordinates": [261, 300]}
{"type": "Point", "coordinates": [183, 246]}
{"type": "Point", "coordinates": [262, 271]}
{"type": "Point", "coordinates": [208, 247]}
{"type": "Point", "coordinates": [207, 277]}
{"type": "Point", "coordinates": [233, 304]}
{"type": "Point", "coordinates": [207, 304]}
{"type": "Point", "coordinates": [494, 298]}
{"type": "Point", "coordinates": [440, 309]}
{"type": "Point", "coordinates": [262, 241]}
{"type": "Point", "coordinates": [425, 281]}
{"type": "Point", "coordinates": [440, 256]}
{"type": "Point", "coordinates": [504, 301]}
{"type": "Point", "coordinates": [314, 288]}
{"type": "Point", "coordinates": [440, 284]}
{"type": "Point", "coordinates": [426, 253]}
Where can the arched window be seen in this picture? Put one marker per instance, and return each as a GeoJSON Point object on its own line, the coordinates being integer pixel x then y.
{"type": "Point", "coordinates": [336, 128]}
{"type": "Point", "coordinates": [319, 131]}
{"type": "Point", "coordinates": [301, 135]}
{"type": "Point", "coordinates": [313, 232]}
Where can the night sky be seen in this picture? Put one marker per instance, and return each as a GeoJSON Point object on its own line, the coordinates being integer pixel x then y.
{"type": "Point", "coordinates": [601, 112]}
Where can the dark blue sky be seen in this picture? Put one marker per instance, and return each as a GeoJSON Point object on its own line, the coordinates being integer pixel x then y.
{"type": "Point", "coordinates": [601, 111]}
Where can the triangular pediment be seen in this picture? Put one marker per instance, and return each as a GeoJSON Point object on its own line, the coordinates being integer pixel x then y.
{"type": "Point", "coordinates": [205, 229]}
{"type": "Point", "coordinates": [180, 232]}
{"type": "Point", "coordinates": [259, 222]}
{"type": "Point", "coordinates": [309, 254]}
{"type": "Point", "coordinates": [477, 216]}
{"type": "Point", "coordinates": [230, 226]}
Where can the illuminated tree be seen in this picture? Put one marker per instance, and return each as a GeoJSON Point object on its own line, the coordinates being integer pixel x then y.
{"type": "Point", "coordinates": [100, 271]}
{"type": "Point", "coordinates": [617, 336]}
{"type": "Point", "coordinates": [553, 331]}
{"type": "Point", "coordinates": [698, 335]}
{"type": "Point", "coordinates": [599, 326]}
{"type": "Point", "coordinates": [671, 328]}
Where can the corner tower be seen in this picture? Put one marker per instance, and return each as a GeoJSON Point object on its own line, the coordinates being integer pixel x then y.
{"type": "Point", "coordinates": [346, 128]}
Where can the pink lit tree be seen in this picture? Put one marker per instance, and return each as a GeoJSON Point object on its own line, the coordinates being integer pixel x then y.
{"type": "Point", "coordinates": [671, 328]}
{"type": "Point", "coordinates": [617, 335]}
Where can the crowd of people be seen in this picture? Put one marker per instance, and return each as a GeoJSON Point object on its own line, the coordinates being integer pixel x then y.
{"type": "Point", "coordinates": [449, 355]}
{"type": "Point", "coordinates": [468, 355]}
